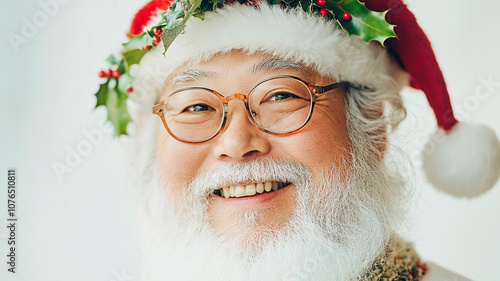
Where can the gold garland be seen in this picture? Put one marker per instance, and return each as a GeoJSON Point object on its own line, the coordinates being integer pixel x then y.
{"type": "Point", "coordinates": [399, 263]}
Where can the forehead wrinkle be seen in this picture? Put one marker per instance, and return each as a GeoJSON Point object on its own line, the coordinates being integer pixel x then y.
{"type": "Point", "coordinates": [193, 75]}
{"type": "Point", "coordinates": [275, 64]}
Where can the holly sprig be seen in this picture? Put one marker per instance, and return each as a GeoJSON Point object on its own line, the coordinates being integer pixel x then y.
{"type": "Point", "coordinates": [356, 19]}
{"type": "Point", "coordinates": [351, 15]}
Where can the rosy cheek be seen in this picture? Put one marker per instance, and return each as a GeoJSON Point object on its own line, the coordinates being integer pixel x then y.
{"type": "Point", "coordinates": [180, 162]}
{"type": "Point", "coordinates": [316, 148]}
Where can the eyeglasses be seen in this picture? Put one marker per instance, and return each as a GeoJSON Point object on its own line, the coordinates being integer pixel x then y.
{"type": "Point", "coordinates": [277, 105]}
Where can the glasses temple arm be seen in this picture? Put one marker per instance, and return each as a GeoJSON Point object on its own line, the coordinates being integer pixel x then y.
{"type": "Point", "coordinates": [340, 85]}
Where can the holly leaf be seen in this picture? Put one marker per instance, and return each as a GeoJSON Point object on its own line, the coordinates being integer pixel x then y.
{"type": "Point", "coordinates": [117, 111]}
{"type": "Point", "coordinates": [204, 6]}
{"type": "Point", "coordinates": [122, 66]}
{"type": "Point", "coordinates": [133, 56]}
{"type": "Point", "coordinates": [113, 59]}
{"type": "Point", "coordinates": [306, 6]}
{"type": "Point", "coordinates": [138, 41]}
{"type": "Point", "coordinates": [196, 4]}
{"type": "Point", "coordinates": [124, 82]}
{"type": "Point", "coordinates": [116, 104]}
{"type": "Point", "coordinates": [173, 19]}
{"type": "Point", "coordinates": [366, 24]}
{"type": "Point", "coordinates": [168, 36]}
{"type": "Point", "coordinates": [102, 94]}
{"type": "Point", "coordinates": [176, 17]}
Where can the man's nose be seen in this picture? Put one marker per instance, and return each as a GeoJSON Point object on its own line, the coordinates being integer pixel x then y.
{"type": "Point", "coordinates": [240, 140]}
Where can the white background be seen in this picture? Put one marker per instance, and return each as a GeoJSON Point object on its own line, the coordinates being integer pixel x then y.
{"type": "Point", "coordinates": [81, 226]}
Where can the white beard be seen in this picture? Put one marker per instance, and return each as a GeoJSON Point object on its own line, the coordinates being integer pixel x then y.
{"type": "Point", "coordinates": [340, 224]}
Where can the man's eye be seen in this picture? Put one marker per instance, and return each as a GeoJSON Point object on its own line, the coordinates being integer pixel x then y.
{"type": "Point", "coordinates": [282, 96]}
{"type": "Point", "coordinates": [198, 108]}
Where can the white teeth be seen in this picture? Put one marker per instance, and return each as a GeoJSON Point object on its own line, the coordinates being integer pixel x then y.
{"type": "Point", "coordinates": [239, 191]}
{"type": "Point", "coordinates": [225, 192]}
{"type": "Point", "coordinates": [259, 187]}
{"type": "Point", "coordinates": [250, 189]}
{"type": "Point", "coordinates": [275, 186]}
{"type": "Point", "coordinates": [267, 186]}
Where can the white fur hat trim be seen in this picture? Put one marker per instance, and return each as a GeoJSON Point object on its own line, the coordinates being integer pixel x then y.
{"type": "Point", "coordinates": [287, 34]}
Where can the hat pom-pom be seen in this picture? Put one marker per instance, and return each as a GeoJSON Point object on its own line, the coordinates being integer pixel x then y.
{"type": "Point", "coordinates": [463, 162]}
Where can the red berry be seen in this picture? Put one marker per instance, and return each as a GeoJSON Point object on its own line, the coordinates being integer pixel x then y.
{"type": "Point", "coordinates": [130, 89]}
{"type": "Point", "coordinates": [102, 73]}
{"type": "Point", "coordinates": [107, 73]}
{"type": "Point", "coordinates": [346, 16]}
{"type": "Point", "coordinates": [157, 31]}
{"type": "Point", "coordinates": [323, 12]}
{"type": "Point", "coordinates": [116, 73]}
{"type": "Point", "coordinates": [322, 2]}
{"type": "Point", "coordinates": [147, 47]}
{"type": "Point", "coordinates": [156, 40]}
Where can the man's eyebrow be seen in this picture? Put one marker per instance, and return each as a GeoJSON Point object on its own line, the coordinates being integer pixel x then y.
{"type": "Point", "coordinates": [192, 75]}
{"type": "Point", "coordinates": [274, 64]}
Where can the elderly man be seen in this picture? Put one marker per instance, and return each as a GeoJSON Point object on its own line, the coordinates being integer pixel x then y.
{"type": "Point", "coordinates": [268, 162]}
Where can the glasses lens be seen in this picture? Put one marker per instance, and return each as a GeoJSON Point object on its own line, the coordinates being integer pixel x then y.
{"type": "Point", "coordinates": [193, 115]}
{"type": "Point", "coordinates": [280, 105]}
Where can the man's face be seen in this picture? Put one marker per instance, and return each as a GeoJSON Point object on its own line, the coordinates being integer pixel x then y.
{"type": "Point", "coordinates": [323, 141]}
{"type": "Point", "coordinates": [330, 220]}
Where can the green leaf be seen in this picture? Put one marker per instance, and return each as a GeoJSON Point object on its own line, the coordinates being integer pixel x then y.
{"type": "Point", "coordinates": [122, 66]}
{"type": "Point", "coordinates": [176, 18]}
{"type": "Point", "coordinates": [168, 36]}
{"type": "Point", "coordinates": [124, 82]}
{"type": "Point", "coordinates": [102, 94]}
{"type": "Point", "coordinates": [115, 103]}
{"type": "Point", "coordinates": [117, 111]}
{"type": "Point", "coordinates": [199, 15]}
{"type": "Point", "coordinates": [138, 41]}
{"type": "Point", "coordinates": [205, 6]}
{"type": "Point", "coordinates": [113, 59]}
{"type": "Point", "coordinates": [366, 24]}
{"type": "Point", "coordinates": [196, 4]}
{"type": "Point", "coordinates": [174, 15]}
{"type": "Point", "coordinates": [306, 6]}
{"type": "Point", "coordinates": [133, 56]}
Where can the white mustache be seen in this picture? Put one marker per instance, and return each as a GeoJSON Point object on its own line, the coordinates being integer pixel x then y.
{"type": "Point", "coordinates": [259, 170]}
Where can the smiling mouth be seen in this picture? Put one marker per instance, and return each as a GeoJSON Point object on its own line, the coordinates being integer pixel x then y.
{"type": "Point", "coordinates": [234, 191]}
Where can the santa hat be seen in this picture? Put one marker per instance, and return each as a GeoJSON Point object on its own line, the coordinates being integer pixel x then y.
{"type": "Point", "coordinates": [466, 159]}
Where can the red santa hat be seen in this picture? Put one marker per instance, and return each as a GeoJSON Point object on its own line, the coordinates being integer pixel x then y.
{"type": "Point", "coordinates": [466, 160]}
